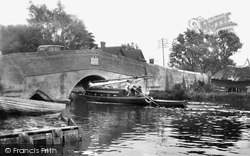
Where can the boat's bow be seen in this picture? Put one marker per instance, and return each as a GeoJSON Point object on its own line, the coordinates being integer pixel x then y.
{"type": "Point", "coordinates": [30, 107]}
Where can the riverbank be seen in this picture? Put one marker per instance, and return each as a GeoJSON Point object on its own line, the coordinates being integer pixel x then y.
{"type": "Point", "coordinates": [200, 94]}
{"type": "Point", "coordinates": [219, 96]}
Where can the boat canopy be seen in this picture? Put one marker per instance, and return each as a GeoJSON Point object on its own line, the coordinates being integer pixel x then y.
{"type": "Point", "coordinates": [115, 81]}
{"type": "Point", "coordinates": [105, 82]}
{"type": "Point", "coordinates": [107, 91]}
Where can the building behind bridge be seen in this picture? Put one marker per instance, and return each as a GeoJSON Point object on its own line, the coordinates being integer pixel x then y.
{"type": "Point", "coordinates": [233, 78]}
{"type": "Point", "coordinates": [135, 54]}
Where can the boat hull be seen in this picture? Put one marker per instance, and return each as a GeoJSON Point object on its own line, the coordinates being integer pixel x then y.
{"type": "Point", "coordinates": [29, 107]}
{"type": "Point", "coordinates": [135, 100]}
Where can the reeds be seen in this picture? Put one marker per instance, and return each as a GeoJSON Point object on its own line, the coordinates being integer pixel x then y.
{"type": "Point", "coordinates": [204, 93]}
{"type": "Point", "coordinates": [219, 96]}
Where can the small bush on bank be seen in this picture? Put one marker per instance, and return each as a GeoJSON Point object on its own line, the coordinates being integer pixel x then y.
{"type": "Point", "coordinates": [176, 93]}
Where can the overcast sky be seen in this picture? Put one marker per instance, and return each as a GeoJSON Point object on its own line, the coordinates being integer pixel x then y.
{"type": "Point", "coordinates": [143, 22]}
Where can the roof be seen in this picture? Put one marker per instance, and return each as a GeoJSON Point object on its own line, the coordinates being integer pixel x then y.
{"type": "Point", "coordinates": [117, 50]}
{"type": "Point", "coordinates": [233, 73]}
{"type": "Point", "coordinates": [133, 54]}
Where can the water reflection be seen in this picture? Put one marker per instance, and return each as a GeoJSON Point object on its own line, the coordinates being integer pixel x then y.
{"type": "Point", "coordinates": [200, 129]}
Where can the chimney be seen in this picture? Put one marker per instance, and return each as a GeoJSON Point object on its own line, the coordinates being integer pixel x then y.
{"type": "Point", "coordinates": [103, 45]}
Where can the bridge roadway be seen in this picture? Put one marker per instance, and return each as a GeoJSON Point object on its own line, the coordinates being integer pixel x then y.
{"type": "Point", "coordinates": [53, 75]}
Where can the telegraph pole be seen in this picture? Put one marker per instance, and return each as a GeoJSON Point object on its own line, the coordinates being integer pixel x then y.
{"type": "Point", "coordinates": [247, 61]}
{"type": "Point", "coordinates": [162, 43]}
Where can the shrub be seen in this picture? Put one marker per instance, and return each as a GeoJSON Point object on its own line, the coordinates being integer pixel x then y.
{"type": "Point", "coordinates": [176, 93]}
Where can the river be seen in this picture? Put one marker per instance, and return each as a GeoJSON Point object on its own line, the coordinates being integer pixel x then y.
{"type": "Point", "coordinates": [207, 129]}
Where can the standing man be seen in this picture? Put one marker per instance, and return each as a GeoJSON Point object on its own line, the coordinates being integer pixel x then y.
{"type": "Point", "coordinates": [127, 87]}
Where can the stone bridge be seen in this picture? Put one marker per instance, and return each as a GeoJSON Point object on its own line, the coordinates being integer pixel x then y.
{"type": "Point", "coordinates": [53, 75]}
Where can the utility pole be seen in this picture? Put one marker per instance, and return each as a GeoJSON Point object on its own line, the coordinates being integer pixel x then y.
{"type": "Point", "coordinates": [162, 43]}
{"type": "Point", "coordinates": [247, 61]}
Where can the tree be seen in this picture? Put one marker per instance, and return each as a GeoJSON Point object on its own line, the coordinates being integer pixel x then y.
{"type": "Point", "coordinates": [199, 52]}
{"type": "Point", "coordinates": [229, 43]}
{"type": "Point", "coordinates": [186, 53]}
{"type": "Point", "coordinates": [8, 39]}
{"type": "Point", "coordinates": [45, 27]}
{"type": "Point", "coordinates": [58, 27]}
{"type": "Point", "coordinates": [18, 38]}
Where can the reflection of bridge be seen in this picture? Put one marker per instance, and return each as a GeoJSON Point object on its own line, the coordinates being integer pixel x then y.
{"type": "Point", "coordinates": [50, 75]}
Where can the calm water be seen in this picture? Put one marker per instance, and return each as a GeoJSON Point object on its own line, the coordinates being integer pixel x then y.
{"type": "Point", "coordinates": [201, 129]}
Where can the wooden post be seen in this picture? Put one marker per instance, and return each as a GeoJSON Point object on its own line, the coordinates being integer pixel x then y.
{"type": "Point", "coordinates": [69, 135]}
{"type": "Point", "coordinates": [57, 135]}
{"type": "Point", "coordinates": [24, 139]}
{"type": "Point", "coordinates": [49, 138]}
{"type": "Point", "coordinates": [248, 89]}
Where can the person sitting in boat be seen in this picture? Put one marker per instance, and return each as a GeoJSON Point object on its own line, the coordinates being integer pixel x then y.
{"type": "Point", "coordinates": [139, 91]}
{"type": "Point", "coordinates": [133, 90]}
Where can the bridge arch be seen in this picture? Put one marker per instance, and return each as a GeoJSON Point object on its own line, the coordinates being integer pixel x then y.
{"type": "Point", "coordinates": [84, 82]}
{"type": "Point", "coordinates": [40, 95]}
{"type": "Point", "coordinates": [78, 81]}
{"type": "Point", "coordinates": [82, 85]}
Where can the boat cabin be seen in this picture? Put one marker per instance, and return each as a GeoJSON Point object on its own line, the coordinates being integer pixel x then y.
{"type": "Point", "coordinates": [106, 92]}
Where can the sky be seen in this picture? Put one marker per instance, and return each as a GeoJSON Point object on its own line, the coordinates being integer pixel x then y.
{"type": "Point", "coordinates": [143, 22]}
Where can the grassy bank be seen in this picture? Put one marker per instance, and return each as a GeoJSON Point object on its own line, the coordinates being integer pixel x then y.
{"type": "Point", "coordinates": [219, 96]}
{"type": "Point", "coordinates": [199, 93]}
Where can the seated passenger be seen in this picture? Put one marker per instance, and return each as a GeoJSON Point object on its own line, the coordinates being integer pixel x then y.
{"type": "Point", "coordinates": [139, 91]}
{"type": "Point", "coordinates": [133, 91]}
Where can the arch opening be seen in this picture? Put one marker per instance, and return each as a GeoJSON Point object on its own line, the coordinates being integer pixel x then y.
{"type": "Point", "coordinates": [39, 95]}
{"type": "Point", "coordinates": [82, 85]}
